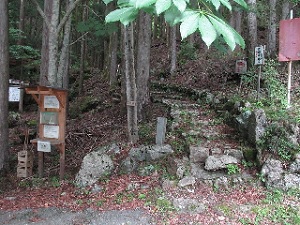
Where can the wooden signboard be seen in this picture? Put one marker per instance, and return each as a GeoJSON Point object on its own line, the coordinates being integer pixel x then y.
{"type": "Point", "coordinates": [52, 123]}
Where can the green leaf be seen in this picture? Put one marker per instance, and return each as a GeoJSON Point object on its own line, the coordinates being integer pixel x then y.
{"type": "Point", "coordinates": [124, 15]}
{"type": "Point", "coordinates": [107, 1]}
{"type": "Point", "coordinates": [180, 4]}
{"type": "Point", "coordinates": [207, 30]}
{"type": "Point", "coordinates": [189, 23]}
{"type": "Point", "coordinates": [241, 3]}
{"type": "Point", "coordinates": [144, 3]}
{"type": "Point", "coordinates": [216, 3]}
{"type": "Point", "coordinates": [126, 3]}
{"type": "Point", "coordinates": [223, 29]}
{"type": "Point", "coordinates": [162, 5]}
{"type": "Point", "coordinates": [173, 15]}
{"type": "Point", "coordinates": [227, 4]}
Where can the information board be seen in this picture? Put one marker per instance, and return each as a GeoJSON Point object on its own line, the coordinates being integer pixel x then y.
{"type": "Point", "coordinates": [51, 131]}
{"type": "Point", "coordinates": [14, 94]}
{"type": "Point", "coordinates": [51, 101]}
{"type": "Point", "coordinates": [44, 146]}
{"type": "Point", "coordinates": [259, 56]}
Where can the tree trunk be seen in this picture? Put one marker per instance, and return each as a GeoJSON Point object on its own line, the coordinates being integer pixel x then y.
{"type": "Point", "coordinates": [252, 30]}
{"type": "Point", "coordinates": [82, 52]}
{"type": "Point", "coordinates": [272, 29]}
{"type": "Point", "coordinates": [130, 81]}
{"type": "Point", "coordinates": [113, 54]}
{"type": "Point", "coordinates": [236, 22]}
{"type": "Point", "coordinates": [63, 65]}
{"type": "Point", "coordinates": [4, 76]}
{"type": "Point", "coordinates": [286, 6]}
{"type": "Point", "coordinates": [143, 61]}
{"type": "Point", "coordinates": [113, 59]}
{"type": "Point", "coordinates": [21, 21]}
{"type": "Point", "coordinates": [51, 30]}
{"type": "Point", "coordinates": [172, 50]}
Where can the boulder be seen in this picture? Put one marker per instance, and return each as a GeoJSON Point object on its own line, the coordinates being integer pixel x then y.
{"type": "Point", "coordinates": [256, 125]}
{"type": "Point", "coordinates": [189, 205]}
{"type": "Point", "coordinates": [198, 154]}
{"type": "Point", "coordinates": [94, 166]}
{"type": "Point", "coordinates": [218, 162]}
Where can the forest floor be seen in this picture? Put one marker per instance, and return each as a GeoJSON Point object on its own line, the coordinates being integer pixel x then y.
{"type": "Point", "coordinates": [39, 201]}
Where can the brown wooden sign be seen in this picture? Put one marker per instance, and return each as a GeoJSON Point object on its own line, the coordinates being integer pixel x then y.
{"type": "Point", "coordinates": [52, 123]}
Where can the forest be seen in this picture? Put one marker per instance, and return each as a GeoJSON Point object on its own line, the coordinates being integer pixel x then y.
{"type": "Point", "coordinates": [155, 101]}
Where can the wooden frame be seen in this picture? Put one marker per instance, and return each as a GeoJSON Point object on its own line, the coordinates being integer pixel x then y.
{"type": "Point", "coordinates": [52, 100]}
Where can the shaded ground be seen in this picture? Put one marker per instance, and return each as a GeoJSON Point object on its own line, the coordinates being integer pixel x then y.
{"type": "Point", "coordinates": [49, 201]}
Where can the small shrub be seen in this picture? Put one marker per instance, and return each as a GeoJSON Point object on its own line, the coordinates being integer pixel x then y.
{"type": "Point", "coordinates": [232, 169]}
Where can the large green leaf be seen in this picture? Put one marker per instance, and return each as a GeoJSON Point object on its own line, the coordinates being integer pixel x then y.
{"type": "Point", "coordinates": [216, 3]}
{"type": "Point", "coordinates": [173, 15]}
{"type": "Point", "coordinates": [241, 3]}
{"type": "Point", "coordinates": [162, 5]}
{"type": "Point", "coordinates": [124, 15]}
{"type": "Point", "coordinates": [144, 3]}
{"type": "Point", "coordinates": [207, 30]}
{"type": "Point", "coordinates": [180, 4]}
{"type": "Point", "coordinates": [223, 29]}
{"type": "Point", "coordinates": [227, 4]}
{"type": "Point", "coordinates": [189, 23]}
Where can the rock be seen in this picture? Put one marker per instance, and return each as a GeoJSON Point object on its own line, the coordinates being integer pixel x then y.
{"type": "Point", "coordinates": [256, 125]}
{"type": "Point", "coordinates": [293, 130]}
{"type": "Point", "coordinates": [238, 154]}
{"type": "Point", "coordinates": [139, 154]}
{"type": "Point", "coordinates": [242, 122]}
{"type": "Point", "coordinates": [198, 171]}
{"type": "Point", "coordinates": [273, 171]}
{"type": "Point", "coordinates": [291, 181]}
{"type": "Point", "coordinates": [198, 154]}
{"type": "Point", "coordinates": [188, 205]}
{"type": "Point", "coordinates": [94, 166]}
{"type": "Point", "coordinates": [159, 151]}
{"type": "Point", "coordinates": [218, 162]}
{"type": "Point", "coordinates": [178, 167]}
{"type": "Point", "coordinates": [187, 181]}
{"type": "Point", "coordinates": [168, 185]}
{"type": "Point", "coordinates": [128, 165]}
{"type": "Point", "coordinates": [295, 166]}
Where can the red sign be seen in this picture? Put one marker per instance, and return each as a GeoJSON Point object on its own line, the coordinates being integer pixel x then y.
{"type": "Point", "coordinates": [289, 41]}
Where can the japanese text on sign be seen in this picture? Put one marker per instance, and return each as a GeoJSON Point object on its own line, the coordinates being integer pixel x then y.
{"type": "Point", "coordinates": [259, 55]}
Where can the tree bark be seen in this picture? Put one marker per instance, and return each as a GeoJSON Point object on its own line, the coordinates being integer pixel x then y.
{"type": "Point", "coordinates": [286, 6]}
{"type": "Point", "coordinates": [82, 52]}
{"type": "Point", "coordinates": [130, 81]}
{"type": "Point", "coordinates": [143, 61]}
{"type": "Point", "coordinates": [4, 76]}
{"type": "Point", "coordinates": [172, 50]}
{"type": "Point", "coordinates": [272, 29]}
{"type": "Point", "coordinates": [252, 30]}
{"type": "Point", "coordinates": [63, 65]}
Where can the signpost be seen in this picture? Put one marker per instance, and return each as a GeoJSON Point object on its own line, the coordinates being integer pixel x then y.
{"type": "Point", "coordinates": [259, 59]}
{"type": "Point", "coordinates": [52, 124]}
{"type": "Point", "coordinates": [289, 46]}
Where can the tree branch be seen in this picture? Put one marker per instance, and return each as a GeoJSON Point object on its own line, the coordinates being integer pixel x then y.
{"type": "Point", "coordinates": [39, 9]}
{"type": "Point", "coordinates": [66, 16]}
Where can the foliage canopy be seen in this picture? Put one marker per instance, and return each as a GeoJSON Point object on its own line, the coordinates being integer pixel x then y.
{"type": "Point", "coordinates": [204, 18]}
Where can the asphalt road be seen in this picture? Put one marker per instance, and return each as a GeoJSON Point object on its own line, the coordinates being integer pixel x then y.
{"type": "Point", "coordinates": [56, 216]}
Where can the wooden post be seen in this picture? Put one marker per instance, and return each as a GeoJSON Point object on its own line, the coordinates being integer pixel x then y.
{"type": "Point", "coordinates": [258, 82]}
{"type": "Point", "coordinates": [289, 74]}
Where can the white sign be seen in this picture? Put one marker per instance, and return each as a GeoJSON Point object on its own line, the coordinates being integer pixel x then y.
{"type": "Point", "coordinates": [51, 131]}
{"type": "Point", "coordinates": [259, 55]}
{"type": "Point", "coordinates": [50, 101]}
{"type": "Point", "coordinates": [43, 146]}
{"type": "Point", "coordinates": [14, 94]}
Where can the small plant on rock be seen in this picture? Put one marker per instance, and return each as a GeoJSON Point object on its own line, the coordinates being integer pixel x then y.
{"type": "Point", "coordinates": [232, 169]}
